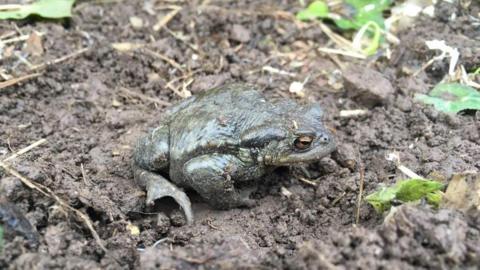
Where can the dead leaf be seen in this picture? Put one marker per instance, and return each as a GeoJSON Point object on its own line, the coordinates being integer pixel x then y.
{"type": "Point", "coordinates": [34, 44]}
{"type": "Point", "coordinates": [463, 192]}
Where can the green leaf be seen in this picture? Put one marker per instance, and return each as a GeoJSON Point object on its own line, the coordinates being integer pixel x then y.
{"type": "Point", "coordinates": [452, 98]}
{"type": "Point", "coordinates": [317, 9]}
{"type": "Point", "coordinates": [53, 9]}
{"type": "Point", "coordinates": [415, 189]}
{"type": "Point", "coordinates": [381, 200]}
{"type": "Point", "coordinates": [434, 198]}
{"type": "Point", "coordinates": [374, 42]}
{"type": "Point", "coordinates": [406, 191]}
{"type": "Point", "coordinates": [364, 11]}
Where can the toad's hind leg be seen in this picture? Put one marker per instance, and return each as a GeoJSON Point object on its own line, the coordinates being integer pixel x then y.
{"type": "Point", "coordinates": [213, 177]}
{"type": "Point", "coordinates": [152, 151]}
{"type": "Point", "coordinates": [158, 187]}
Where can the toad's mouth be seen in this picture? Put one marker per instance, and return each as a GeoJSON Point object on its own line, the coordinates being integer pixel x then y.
{"type": "Point", "coordinates": [316, 153]}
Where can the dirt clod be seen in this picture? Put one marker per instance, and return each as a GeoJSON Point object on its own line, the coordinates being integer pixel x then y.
{"type": "Point", "coordinates": [346, 155]}
{"type": "Point", "coordinates": [367, 86]}
{"type": "Point", "coordinates": [240, 33]}
{"type": "Point", "coordinates": [443, 237]}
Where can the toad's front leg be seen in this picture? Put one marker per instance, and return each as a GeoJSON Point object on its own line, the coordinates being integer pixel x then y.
{"type": "Point", "coordinates": [213, 176]}
{"type": "Point", "coordinates": [151, 156]}
{"type": "Point", "coordinates": [158, 187]}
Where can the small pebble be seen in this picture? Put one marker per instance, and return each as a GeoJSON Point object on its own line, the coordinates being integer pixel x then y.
{"type": "Point", "coordinates": [163, 223]}
{"type": "Point", "coordinates": [136, 22]}
{"type": "Point", "coordinates": [240, 33]}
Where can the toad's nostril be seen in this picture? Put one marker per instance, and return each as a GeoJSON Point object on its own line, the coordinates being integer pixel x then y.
{"type": "Point", "coordinates": [325, 138]}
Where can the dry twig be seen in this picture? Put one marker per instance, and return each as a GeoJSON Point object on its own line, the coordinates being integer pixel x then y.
{"type": "Point", "coordinates": [18, 80]}
{"type": "Point", "coordinates": [342, 52]}
{"type": "Point", "coordinates": [59, 60]}
{"type": "Point", "coordinates": [39, 67]}
{"type": "Point", "coordinates": [209, 223]}
{"type": "Point", "coordinates": [167, 18]}
{"type": "Point", "coordinates": [25, 150]}
{"type": "Point", "coordinates": [360, 191]}
{"type": "Point", "coordinates": [177, 37]}
{"type": "Point", "coordinates": [86, 181]}
{"type": "Point", "coordinates": [15, 39]}
{"type": "Point", "coordinates": [306, 181]}
{"type": "Point", "coordinates": [158, 242]}
{"type": "Point", "coordinates": [336, 200]}
{"type": "Point", "coordinates": [164, 58]}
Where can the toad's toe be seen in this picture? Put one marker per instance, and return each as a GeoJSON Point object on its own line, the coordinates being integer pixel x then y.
{"type": "Point", "coordinates": [159, 189]}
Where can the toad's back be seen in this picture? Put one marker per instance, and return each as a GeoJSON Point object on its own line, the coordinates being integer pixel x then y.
{"type": "Point", "coordinates": [214, 120]}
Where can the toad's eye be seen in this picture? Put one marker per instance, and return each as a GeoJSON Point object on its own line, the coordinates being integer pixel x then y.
{"type": "Point", "coordinates": [303, 142]}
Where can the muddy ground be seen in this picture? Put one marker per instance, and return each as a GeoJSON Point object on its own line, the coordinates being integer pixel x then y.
{"type": "Point", "coordinates": [90, 121]}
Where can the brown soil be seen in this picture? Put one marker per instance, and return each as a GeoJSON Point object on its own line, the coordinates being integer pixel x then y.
{"type": "Point", "coordinates": [80, 107]}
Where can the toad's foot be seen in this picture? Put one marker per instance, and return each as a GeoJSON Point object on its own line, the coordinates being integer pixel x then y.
{"type": "Point", "coordinates": [159, 187]}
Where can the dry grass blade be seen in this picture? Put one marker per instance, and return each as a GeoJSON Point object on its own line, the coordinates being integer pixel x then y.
{"type": "Point", "coordinates": [360, 192]}
{"type": "Point", "coordinates": [25, 150]}
{"type": "Point", "coordinates": [24, 180]}
{"type": "Point", "coordinates": [342, 52]}
{"type": "Point", "coordinates": [166, 19]}
{"type": "Point", "coordinates": [59, 60]}
{"type": "Point", "coordinates": [424, 66]}
{"type": "Point", "coordinates": [7, 35]}
{"type": "Point", "coordinates": [176, 91]}
{"type": "Point", "coordinates": [15, 39]}
{"type": "Point", "coordinates": [18, 80]}
{"type": "Point", "coordinates": [278, 71]}
{"type": "Point", "coordinates": [179, 38]}
{"type": "Point", "coordinates": [86, 181]}
{"type": "Point", "coordinates": [339, 40]}
{"type": "Point", "coordinates": [306, 181]}
{"type": "Point", "coordinates": [164, 58]}
{"type": "Point", "coordinates": [10, 7]}
{"type": "Point", "coordinates": [336, 200]}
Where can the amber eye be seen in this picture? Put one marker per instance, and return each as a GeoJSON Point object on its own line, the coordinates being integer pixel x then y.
{"type": "Point", "coordinates": [303, 142]}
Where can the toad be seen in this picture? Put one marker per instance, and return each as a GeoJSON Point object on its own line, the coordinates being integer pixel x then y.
{"type": "Point", "coordinates": [216, 140]}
